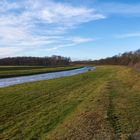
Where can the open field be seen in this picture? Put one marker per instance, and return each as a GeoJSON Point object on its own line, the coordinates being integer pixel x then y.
{"type": "Point", "coordinates": [102, 104]}
{"type": "Point", "coordinates": [13, 71]}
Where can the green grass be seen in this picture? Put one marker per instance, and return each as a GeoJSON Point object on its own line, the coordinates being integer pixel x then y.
{"type": "Point", "coordinates": [13, 71]}
{"type": "Point", "coordinates": [99, 104]}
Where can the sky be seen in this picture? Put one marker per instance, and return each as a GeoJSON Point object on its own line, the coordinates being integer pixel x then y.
{"type": "Point", "coordinates": [80, 29]}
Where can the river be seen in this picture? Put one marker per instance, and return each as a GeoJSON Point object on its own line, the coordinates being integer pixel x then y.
{"type": "Point", "coordinates": [4, 82]}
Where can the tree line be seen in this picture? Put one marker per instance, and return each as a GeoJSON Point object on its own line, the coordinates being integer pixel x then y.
{"type": "Point", "coordinates": [36, 61]}
{"type": "Point", "coordinates": [127, 59]}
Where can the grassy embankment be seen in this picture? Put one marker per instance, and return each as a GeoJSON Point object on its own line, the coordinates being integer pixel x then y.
{"type": "Point", "coordinates": [13, 71]}
{"type": "Point", "coordinates": [99, 104]}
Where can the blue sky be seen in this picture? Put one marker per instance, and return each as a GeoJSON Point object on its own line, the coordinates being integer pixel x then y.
{"type": "Point", "coordinates": [81, 29]}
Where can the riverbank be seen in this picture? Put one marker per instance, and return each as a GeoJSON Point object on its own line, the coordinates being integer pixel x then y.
{"type": "Point", "coordinates": [99, 104]}
{"type": "Point", "coordinates": [38, 77]}
{"type": "Point", "coordinates": [14, 71]}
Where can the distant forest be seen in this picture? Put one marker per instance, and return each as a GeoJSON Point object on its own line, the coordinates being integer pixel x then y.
{"type": "Point", "coordinates": [36, 61]}
{"type": "Point", "coordinates": [127, 59]}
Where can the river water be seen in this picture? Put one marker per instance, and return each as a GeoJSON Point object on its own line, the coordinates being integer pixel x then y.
{"type": "Point", "coordinates": [4, 82]}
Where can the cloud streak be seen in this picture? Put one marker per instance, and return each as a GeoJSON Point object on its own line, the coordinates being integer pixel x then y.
{"type": "Point", "coordinates": [128, 35]}
{"type": "Point", "coordinates": [36, 23]}
{"type": "Point", "coordinates": [122, 9]}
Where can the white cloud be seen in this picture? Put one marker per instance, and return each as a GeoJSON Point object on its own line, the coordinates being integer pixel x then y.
{"type": "Point", "coordinates": [5, 6]}
{"type": "Point", "coordinates": [82, 40]}
{"type": "Point", "coordinates": [128, 35]}
{"type": "Point", "coordinates": [60, 46]}
{"type": "Point", "coordinates": [9, 51]}
{"type": "Point", "coordinates": [71, 41]}
{"type": "Point", "coordinates": [68, 15]}
{"type": "Point", "coordinates": [35, 23]}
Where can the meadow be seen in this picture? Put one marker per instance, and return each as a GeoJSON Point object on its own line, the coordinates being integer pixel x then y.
{"type": "Point", "coordinates": [13, 71]}
{"type": "Point", "coordinates": [99, 104]}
